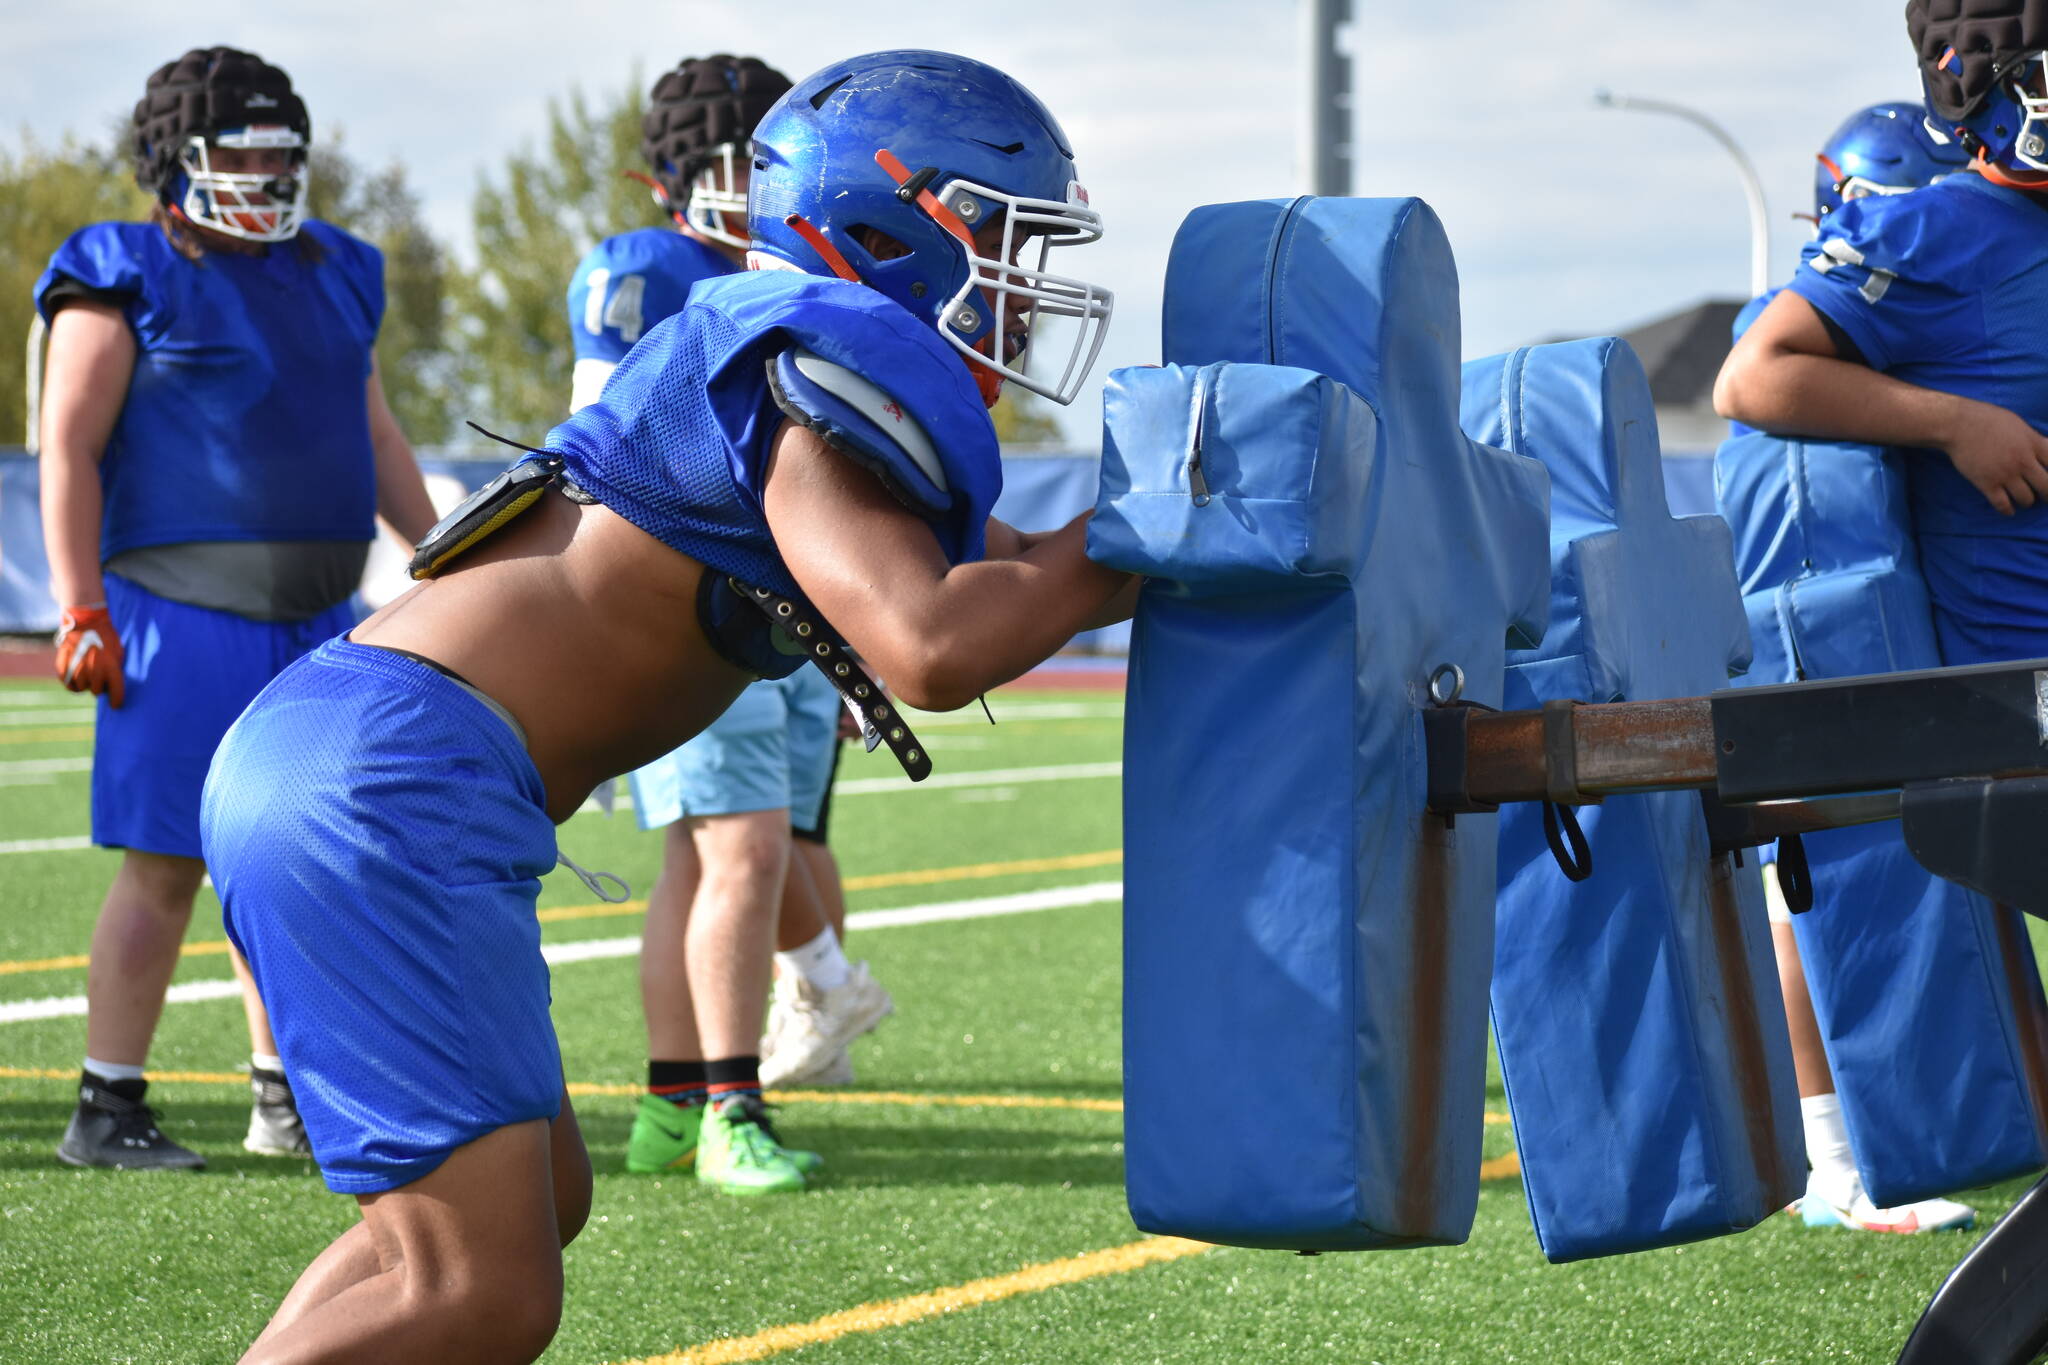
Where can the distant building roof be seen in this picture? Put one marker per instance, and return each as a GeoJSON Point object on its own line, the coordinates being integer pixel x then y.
{"type": "Point", "coordinates": [1683, 351]}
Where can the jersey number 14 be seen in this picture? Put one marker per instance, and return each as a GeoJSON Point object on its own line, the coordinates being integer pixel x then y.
{"type": "Point", "coordinates": [620, 310]}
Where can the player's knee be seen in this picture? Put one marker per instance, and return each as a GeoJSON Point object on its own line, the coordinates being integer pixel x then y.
{"type": "Point", "coordinates": [163, 883]}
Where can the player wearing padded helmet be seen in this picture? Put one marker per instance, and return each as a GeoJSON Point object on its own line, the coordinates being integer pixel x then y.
{"type": "Point", "coordinates": [792, 460]}
{"type": "Point", "coordinates": [733, 800]}
{"type": "Point", "coordinates": [216, 449]}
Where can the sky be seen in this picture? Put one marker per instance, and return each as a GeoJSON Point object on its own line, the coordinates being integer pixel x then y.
{"type": "Point", "coordinates": [1566, 218]}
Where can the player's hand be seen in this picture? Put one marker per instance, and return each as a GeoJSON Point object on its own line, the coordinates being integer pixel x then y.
{"type": "Point", "coordinates": [2001, 455]}
{"type": "Point", "coordinates": [89, 657]}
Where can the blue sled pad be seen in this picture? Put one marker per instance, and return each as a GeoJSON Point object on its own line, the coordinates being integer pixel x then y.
{"type": "Point", "coordinates": [1637, 1013]}
{"type": "Point", "coordinates": [1927, 995]}
{"type": "Point", "coordinates": [1306, 952]}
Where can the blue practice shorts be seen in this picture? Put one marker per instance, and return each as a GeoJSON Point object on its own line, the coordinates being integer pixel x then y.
{"type": "Point", "coordinates": [772, 749]}
{"type": "Point", "coordinates": [190, 671]}
{"type": "Point", "coordinates": [1990, 597]}
{"type": "Point", "coordinates": [377, 837]}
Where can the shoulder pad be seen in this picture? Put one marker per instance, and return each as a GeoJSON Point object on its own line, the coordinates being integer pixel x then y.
{"type": "Point", "coordinates": [108, 258]}
{"type": "Point", "coordinates": [860, 418]}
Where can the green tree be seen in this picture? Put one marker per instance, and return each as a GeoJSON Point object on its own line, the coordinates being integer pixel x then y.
{"type": "Point", "coordinates": [45, 195]}
{"type": "Point", "coordinates": [534, 221]}
{"type": "Point", "coordinates": [419, 370]}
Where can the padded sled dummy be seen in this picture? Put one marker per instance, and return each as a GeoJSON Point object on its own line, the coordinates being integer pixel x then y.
{"type": "Point", "coordinates": [1637, 1013]}
{"type": "Point", "coordinates": [1927, 995]}
{"type": "Point", "coordinates": [1306, 951]}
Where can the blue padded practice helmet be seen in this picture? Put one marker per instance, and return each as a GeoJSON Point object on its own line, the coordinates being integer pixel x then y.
{"type": "Point", "coordinates": [1885, 149]}
{"type": "Point", "coordinates": [924, 148]}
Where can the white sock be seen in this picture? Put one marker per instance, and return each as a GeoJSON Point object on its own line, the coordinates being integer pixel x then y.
{"type": "Point", "coordinates": [113, 1071]}
{"type": "Point", "coordinates": [820, 962]}
{"type": "Point", "coordinates": [1827, 1140]}
{"type": "Point", "coordinates": [265, 1061]}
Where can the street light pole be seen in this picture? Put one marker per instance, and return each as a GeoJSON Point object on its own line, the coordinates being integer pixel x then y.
{"type": "Point", "coordinates": [1752, 188]}
{"type": "Point", "coordinates": [1329, 98]}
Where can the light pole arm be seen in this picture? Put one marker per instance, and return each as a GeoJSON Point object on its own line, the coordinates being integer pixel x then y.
{"type": "Point", "coordinates": [1752, 188]}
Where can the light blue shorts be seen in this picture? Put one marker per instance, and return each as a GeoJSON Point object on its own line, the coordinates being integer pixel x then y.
{"type": "Point", "coordinates": [771, 750]}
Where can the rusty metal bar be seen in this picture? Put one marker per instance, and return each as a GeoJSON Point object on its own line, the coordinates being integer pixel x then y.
{"type": "Point", "coordinates": [1630, 746]}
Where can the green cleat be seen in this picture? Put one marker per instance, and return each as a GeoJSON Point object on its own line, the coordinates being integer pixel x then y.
{"type": "Point", "coordinates": [664, 1136]}
{"type": "Point", "coordinates": [740, 1152]}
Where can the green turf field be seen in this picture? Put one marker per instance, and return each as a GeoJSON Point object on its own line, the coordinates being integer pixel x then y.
{"type": "Point", "coordinates": [981, 1139]}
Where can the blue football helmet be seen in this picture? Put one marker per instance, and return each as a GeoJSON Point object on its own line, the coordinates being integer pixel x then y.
{"type": "Point", "coordinates": [1885, 149]}
{"type": "Point", "coordinates": [923, 148]}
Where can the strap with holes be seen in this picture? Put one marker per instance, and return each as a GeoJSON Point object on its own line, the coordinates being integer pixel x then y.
{"type": "Point", "coordinates": [871, 706]}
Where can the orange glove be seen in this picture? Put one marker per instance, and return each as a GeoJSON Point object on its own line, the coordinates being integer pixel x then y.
{"type": "Point", "coordinates": [89, 654]}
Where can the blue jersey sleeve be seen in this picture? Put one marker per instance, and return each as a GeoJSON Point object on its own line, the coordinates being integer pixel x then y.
{"type": "Point", "coordinates": [109, 260]}
{"type": "Point", "coordinates": [628, 283]}
{"type": "Point", "coordinates": [1896, 274]}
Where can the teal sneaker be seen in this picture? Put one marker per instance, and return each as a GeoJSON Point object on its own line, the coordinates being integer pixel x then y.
{"type": "Point", "coordinates": [665, 1136]}
{"type": "Point", "coordinates": [740, 1154]}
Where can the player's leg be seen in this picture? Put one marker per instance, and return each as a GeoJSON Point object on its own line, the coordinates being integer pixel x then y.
{"type": "Point", "coordinates": [822, 1001]}
{"type": "Point", "coordinates": [468, 1265]}
{"type": "Point", "coordinates": [135, 946]}
{"type": "Point", "coordinates": [709, 796]}
{"type": "Point", "coordinates": [1834, 1189]}
{"type": "Point", "coordinates": [744, 859]}
{"type": "Point", "coordinates": [353, 1257]}
{"type": "Point", "coordinates": [275, 1128]}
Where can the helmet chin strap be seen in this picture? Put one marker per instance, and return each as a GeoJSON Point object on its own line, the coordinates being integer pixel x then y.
{"type": "Point", "coordinates": [2036, 181]}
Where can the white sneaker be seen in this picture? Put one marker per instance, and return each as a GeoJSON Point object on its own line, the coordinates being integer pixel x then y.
{"type": "Point", "coordinates": [808, 1037]}
{"type": "Point", "coordinates": [1832, 1204]}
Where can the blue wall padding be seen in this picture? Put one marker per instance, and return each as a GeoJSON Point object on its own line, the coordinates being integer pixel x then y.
{"type": "Point", "coordinates": [1637, 1013]}
{"type": "Point", "coordinates": [1306, 952]}
{"type": "Point", "coordinates": [1927, 995]}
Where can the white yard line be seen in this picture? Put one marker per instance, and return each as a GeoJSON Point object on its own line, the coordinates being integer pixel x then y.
{"type": "Point", "coordinates": [23, 767]}
{"type": "Point", "coordinates": [600, 949]}
{"type": "Point", "coordinates": [986, 777]}
{"type": "Point", "coordinates": [69, 844]}
{"type": "Point", "coordinates": [47, 716]}
{"type": "Point", "coordinates": [1016, 710]}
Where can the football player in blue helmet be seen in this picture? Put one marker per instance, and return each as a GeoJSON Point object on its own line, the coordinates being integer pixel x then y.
{"type": "Point", "coordinates": [795, 467]}
{"type": "Point", "coordinates": [1913, 323]}
{"type": "Point", "coordinates": [1884, 149]}
{"type": "Point", "coordinates": [694, 139]}
{"type": "Point", "coordinates": [215, 450]}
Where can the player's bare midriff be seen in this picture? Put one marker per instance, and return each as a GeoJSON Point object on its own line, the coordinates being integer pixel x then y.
{"type": "Point", "coordinates": [572, 601]}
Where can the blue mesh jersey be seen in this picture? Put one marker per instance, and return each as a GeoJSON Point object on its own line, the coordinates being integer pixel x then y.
{"type": "Point", "coordinates": [626, 284]}
{"type": "Point", "coordinates": [1945, 288]}
{"type": "Point", "coordinates": [247, 417]}
{"type": "Point", "coordinates": [678, 444]}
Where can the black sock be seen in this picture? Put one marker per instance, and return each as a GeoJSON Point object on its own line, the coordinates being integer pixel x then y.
{"type": "Point", "coordinates": [727, 1077]}
{"type": "Point", "coordinates": [677, 1082]}
{"type": "Point", "coordinates": [130, 1090]}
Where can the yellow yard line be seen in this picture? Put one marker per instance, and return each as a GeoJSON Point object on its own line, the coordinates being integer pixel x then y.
{"type": "Point", "coordinates": [605, 910]}
{"type": "Point", "coordinates": [874, 1317]}
{"type": "Point", "coordinates": [973, 871]}
{"type": "Point", "coordinates": [1501, 1167]}
{"type": "Point", "coordinates": [49, 734]}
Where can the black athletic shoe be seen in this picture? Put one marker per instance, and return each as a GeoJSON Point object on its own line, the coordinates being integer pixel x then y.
{"type": "Point", "coordinates": [107, 1130]}
{"type": "Point", "coordinates": [275, 1128]}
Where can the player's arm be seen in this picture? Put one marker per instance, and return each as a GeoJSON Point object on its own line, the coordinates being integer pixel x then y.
{"type": "Point", "coordinates": [1787, 375]}
{"type": "Point", "coordinates": [941, 635]}
{"type": "Point", "coordinates": [85, 384]}
{"type": "Point", "coordinates": [402, 500]}
{"type": "Point", "coordinates": [1005, 541]}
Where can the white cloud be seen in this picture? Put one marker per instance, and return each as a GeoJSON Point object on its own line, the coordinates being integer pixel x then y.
{"type": "Point", "coordinates": [1565, 217]}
